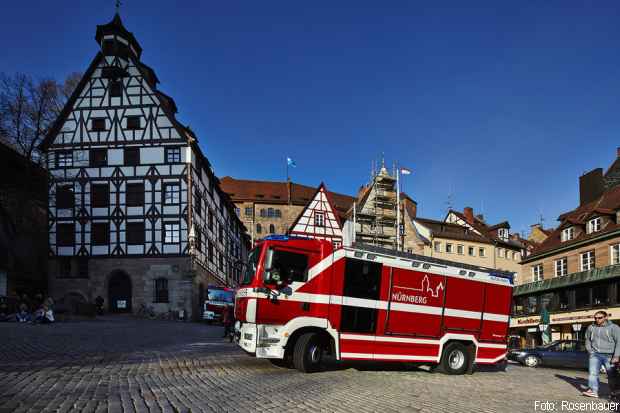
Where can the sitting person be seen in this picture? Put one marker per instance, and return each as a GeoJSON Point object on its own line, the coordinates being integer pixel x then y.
{"type": "Point", "coordinates": [5, 314]}
{"type": "Point", "coordinates": [44, 315]}
{"type": "Point", "coordinates": [23, 315]}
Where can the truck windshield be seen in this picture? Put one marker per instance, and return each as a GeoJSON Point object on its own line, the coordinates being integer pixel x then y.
{"type": "Point", "coordinates": [250, 269]}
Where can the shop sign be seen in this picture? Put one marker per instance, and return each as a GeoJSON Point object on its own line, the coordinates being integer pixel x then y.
{"type": "Point", "coordinates": [576, 327]}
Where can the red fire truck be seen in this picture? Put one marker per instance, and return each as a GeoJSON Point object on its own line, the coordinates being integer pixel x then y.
{"type": "Point", "coordinates": [218, 300]}
{"type": "Point", "coordinates": [300, 299]}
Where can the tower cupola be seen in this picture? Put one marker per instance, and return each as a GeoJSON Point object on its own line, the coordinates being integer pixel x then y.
{"type": "Point", "coordinates": [115, 40]}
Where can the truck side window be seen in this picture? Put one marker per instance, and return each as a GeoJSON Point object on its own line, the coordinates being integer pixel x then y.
{"type": "Point", "coordinates": [292, 266]}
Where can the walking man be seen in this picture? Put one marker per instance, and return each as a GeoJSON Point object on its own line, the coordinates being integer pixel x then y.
{"type": "Point", "coordinates": [603, 345]}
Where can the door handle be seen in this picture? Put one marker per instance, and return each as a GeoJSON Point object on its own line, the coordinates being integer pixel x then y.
{"type": "Point", "coordinates": [305, 306]}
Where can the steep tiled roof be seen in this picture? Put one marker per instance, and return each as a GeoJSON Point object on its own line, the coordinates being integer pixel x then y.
{"type": "Point", "coordinates": [452, 231]}
{"type": "Point", "coordinates": [489, 232]}
{"type": "Point", "coordinates": [606, 204]}
{"type": "Point", "coordinates": [276, 192]}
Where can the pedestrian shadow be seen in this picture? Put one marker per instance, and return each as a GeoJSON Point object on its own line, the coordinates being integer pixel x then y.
{"type": "Point", "coordinates": [579, 383]}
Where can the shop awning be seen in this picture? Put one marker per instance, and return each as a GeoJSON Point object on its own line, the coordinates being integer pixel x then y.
{"type": "Point", "coordinates": [576, 278]}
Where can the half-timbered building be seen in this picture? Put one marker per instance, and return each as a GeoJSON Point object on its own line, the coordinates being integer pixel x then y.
{"type": "Point", "coordinates": [136, 214]}
{"type": "Point", "coordinates": [319, 219]}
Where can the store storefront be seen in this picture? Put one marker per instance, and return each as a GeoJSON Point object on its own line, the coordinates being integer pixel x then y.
{"type": "Point", "coordinates": [571, 302]}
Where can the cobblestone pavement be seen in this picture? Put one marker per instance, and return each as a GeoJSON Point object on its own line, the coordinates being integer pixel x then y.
{"type": "Point", "coordinates": [122, 364]}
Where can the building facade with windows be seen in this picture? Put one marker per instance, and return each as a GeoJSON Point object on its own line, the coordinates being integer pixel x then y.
{"type": "Point", "coordinates": [267, 207]}
{"type": "Point", "coordinates": [136, 214]}
{"type": "Point", "coordinates": [575, 271]}
{"type": "Point", "coordinates": [463, 237]}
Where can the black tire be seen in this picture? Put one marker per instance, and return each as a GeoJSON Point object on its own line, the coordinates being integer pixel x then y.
{"type": "Point", "coordinates": [308, 353]}
{"type": "Point", "coordinates": [455, 359]}
{"type": "Point", "coordinates": [531, 361]}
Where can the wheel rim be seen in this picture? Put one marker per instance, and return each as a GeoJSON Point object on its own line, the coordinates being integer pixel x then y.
{"type": "Point", "coordinates": [531, 361]}
{"type": "Point", "coordinates": [456, 360]}
{"type": "Point", "coordinates": [315, 354]}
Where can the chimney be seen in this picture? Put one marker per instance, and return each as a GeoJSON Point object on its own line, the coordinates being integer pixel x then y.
{"type": "Point", "coordinates": [469, 214]}
{"type": "Point", "coordinates": [591, 186]}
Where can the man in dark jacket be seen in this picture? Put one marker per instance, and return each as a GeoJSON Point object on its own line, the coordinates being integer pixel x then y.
{"type": "Point", "coordinates": [603, 345]}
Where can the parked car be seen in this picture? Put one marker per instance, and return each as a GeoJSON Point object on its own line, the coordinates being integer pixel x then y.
{"type": "Point", "coordinates": [559, 353]}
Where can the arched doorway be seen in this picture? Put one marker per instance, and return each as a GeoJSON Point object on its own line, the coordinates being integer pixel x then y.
{"type": "Point", "coordinates": [119, 292]}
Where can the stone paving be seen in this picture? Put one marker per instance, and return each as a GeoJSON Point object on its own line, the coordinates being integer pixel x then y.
{"type": "Point", "coordinates": [121, 364]}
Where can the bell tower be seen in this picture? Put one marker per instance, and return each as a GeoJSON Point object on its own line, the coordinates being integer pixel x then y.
{"type": "Point", "coordinates": [115, 40]}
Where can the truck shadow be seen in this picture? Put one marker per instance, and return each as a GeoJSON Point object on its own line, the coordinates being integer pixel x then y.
{"type": "Point", "coordinates": [367, 365]}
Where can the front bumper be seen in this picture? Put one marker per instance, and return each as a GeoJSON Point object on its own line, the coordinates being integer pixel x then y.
{"type": "Point", "coordinates": [517, 356]}
{"type": "Point", "coordinates": [263, 341]}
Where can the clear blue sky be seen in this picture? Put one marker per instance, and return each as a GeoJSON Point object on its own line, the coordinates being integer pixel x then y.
{"type": "Point", "coordinates": [504, 104]}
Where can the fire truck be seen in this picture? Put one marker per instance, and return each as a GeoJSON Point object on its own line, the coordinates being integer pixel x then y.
{"type": "Point", "coordinates": [218, 300]}
{"type": "Point", "coordinates": [301, 301]}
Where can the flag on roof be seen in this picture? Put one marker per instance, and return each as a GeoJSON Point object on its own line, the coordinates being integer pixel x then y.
{"type": "Point", "coordinates": [405, 171]}
{"type": "Point", "coordinates": [290, 162]}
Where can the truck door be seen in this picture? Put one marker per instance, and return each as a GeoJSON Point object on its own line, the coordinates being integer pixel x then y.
{"type": "Point", "coordinates": [415, 303]}
{"type": "Point", "coordinates": [292, 265]}
{"type": "Point", "coordinates": [464, 304]}
{"type": "Point", "coordinates": [359, 308]}
{"type": "Point", "coordinates": [496, 309]}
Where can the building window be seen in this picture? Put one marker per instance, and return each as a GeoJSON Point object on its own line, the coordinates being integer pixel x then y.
{"type": "Point", "coordinates": [172, 233]}
{"type": "Point", "coordinates": [65, 235]}
{"type": "Point", "coordinates": [197, 204]}
{"type": "Point", "coordinates": [211, 255]}
{"type": "Point", "coordinates": [115, 88]}
{"type": "Point", "coordinates": [471, 251]}
{"type": "Point", "coordinates": [221, 233]}
{"type": "Point", "coordinates": [263, 213]}
{"type": "Point", "coordinates": [270, 212]}
{"type": "Point", "coordinates": [278, 213]}
{"type": "Point", "coordinates": [64, 159]}
{"type": "Point", "coordinates": [221, 266]}
{"type": "Point", "coordinates": [65, 197]}
{"type": "Point", "coordinates": [537, 272]}
{"type": "Point", "coordinates": [133, 122]}
{"type": "Point", "coordinates": [501, 252]}
{"type": "Point", "coordinates": [503, 233]}
{"type": "Point", "coordinates": [64, 267]}
{"type": "Point", "coordinates": [561, 267]}
{"type": "Point", "coordinates": [100, 233]}
{"type": "Point", "coordinates": [211, 220]}
{"type": "Point", "coordinates": [587, 261]}
{"type": "Point", "coordinates": [449, 248]}
{"type": "Point", "coordinates": [337, 244]}
{"type": "Point", "coordinates": [132, 156]}
{"type": "Point", "coordinates": [238, 212]}
{"type": "Point", "coordinates": [259, 228]}
{"type": "Point", "coordinates": [248, 211]}
{"type": "Point", "coordinates": [199, 241]}
{"type": "Point", "coordinates": [172, 194]}
{"type": "Point", "coordinates": [100, 195]}
{"type": "Point", "coordinates": [135, 195]}
{"type": "Point", "coordinates": [437, 246]}
{"type": "Point", "coordinates": [135, 233]}
{"type": "Point", "coordinates": [173, 155]}
{"type": "Point", "coordinates": [615, 254]}
{"type": "Point", "coordinates": [594, 225]}
{"type": "Point", "coordinates": [319, 219]}
{"type": "Point", "coordinates": [161, 291]}
{"type": "Point", "coordinates": [460, 249]}
{"type": "Point", "coordinates": [272, 229]}
{"type": "Point", "coordinates": [568, 234]}
{"type": "Point", "coordinates": [481, 252]}
{"type": "Point", "coordinates": [600, 294]}
{"type": "Point", "coordinates": [97, 124]}
{"type": "Point", "coordinates": [98, 157]}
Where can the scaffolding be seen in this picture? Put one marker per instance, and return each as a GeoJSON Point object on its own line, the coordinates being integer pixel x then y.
{"type": "Point", "coordinates": [376, 218]}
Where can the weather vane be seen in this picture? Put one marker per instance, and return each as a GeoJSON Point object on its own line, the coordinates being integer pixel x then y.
{"type": "Point", "coordinates": [118, 5]}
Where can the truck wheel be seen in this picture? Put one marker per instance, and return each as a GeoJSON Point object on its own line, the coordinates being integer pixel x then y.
{"type": "Point", "coordinates": [308, 353]}
{"type": "Point", "coordinates": [456, 358]}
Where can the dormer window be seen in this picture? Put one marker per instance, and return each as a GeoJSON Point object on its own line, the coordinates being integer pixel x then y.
{"type": "Point", "coordinates": [502, 233]}
{"type": "Point", "coordinates": [115, 88]}
{"type": "Point", "coordinates": [568, 234]}
{"type": "Point", "coordinates": [594, 225]}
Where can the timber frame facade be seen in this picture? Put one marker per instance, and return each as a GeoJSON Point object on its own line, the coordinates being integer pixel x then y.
{"type": "Point", "coordinates": [136, 214]}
